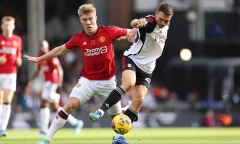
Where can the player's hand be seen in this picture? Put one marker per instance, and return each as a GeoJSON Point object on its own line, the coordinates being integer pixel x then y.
{"type": "Point", "coordinates": [32, 59]}
{"type": "Point", "coordinates": [131, 35]}
{"type": "Point", "coordinates": [59, 90]}
{"type": "Point", "coordinates": [140, 23]}
{"type": "Point", "coordinates": [3, 59]}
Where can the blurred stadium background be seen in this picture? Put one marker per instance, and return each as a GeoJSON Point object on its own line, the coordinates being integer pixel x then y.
{"type": "Point", "coordinates": [200, 88]}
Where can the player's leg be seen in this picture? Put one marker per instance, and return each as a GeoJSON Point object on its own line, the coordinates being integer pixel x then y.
{"type": "Point", "coordinates": [6, 110]}
{"type": "Point", "coordinates": [77, 124]}
{"type": "Point", "coordinates": [8, 87]}
{"type": "Point", "coordinates": [44, 108]}
{"type": "Point", "coordinates": [128, 82]}
{"type": "Point", "coordinates": [81, 93]}
{"type": "Point", "coordinates": [103, 89]}
{"type": "Point", "coordinates": [138, 93]}
{"type": "Point", "coordinates": [44, 116]}
{"type": "Point", "coordinates": [1, 103]}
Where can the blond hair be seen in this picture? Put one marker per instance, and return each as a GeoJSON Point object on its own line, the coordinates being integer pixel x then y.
{"type": "Point", "coordinates": [86, 9]}
{"type": "Point", "coordinates": [8, 18]}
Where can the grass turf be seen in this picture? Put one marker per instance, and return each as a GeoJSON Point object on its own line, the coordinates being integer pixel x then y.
{"type": "Point", "coordinates": [136, 136]}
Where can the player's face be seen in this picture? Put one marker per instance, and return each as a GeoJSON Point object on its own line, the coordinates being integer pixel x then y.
{"type": "Point", "coordinates": [89, 23]}
{"type": "Point", "coordinates": [162, 19]}
{"type": "Point", "coordinates": [7, 27]}
{"type": "Point", "coordinates": [44, 47]}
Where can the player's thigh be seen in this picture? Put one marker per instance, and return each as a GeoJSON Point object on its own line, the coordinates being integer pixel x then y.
{"type": "Point", "coordinates": [83, 90]}
{"type": "Point", "coordinates": [48, 92]}
{"type": "Point", "coordinates": [128, 73]}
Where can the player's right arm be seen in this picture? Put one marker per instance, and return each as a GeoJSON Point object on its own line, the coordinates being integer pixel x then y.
{"type": "Point", "coordinates": [57, 51]}
{"type": "Point", "coordinates": [138, 23]}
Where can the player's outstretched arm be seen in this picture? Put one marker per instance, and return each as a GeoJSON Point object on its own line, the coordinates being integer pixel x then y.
{"type": "Point", "coordinates": [130, 33]}
{"type": "Point", "coordinates": [60, 50]}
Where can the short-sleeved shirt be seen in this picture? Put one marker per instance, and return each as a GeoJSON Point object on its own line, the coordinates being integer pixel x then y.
{"type": "Point", "coordinates": [12, 49]}
{"type": "Point", "coordinates": [148, 45]}
{"type": "Point", "coordinates": [97, 51]}
{"type": "Point", "coordinates": [49, 69]}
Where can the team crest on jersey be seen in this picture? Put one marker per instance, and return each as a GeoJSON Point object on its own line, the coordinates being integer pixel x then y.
{"type": "Point", "coordinates": [129, 65]}
{"type": "Point", "coordinates": [78, 85]}
{"type": "Point", "coordinates": [44, 62]}
{"type": "Point", "coordinates": [102, 39]}
{"type": "Point", "coordinates": [14, 43]}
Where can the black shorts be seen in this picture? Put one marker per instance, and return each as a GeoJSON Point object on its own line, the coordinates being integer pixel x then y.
{"type": "Point", "coordinates": [142, 78]}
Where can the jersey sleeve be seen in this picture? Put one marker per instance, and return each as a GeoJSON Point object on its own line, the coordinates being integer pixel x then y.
{"type": "Point", "coordinates": [151, 24]}
{"type": "Point", "coordinates": [116, 32]}
{"type": "Point", "coordinates": [72, 43]}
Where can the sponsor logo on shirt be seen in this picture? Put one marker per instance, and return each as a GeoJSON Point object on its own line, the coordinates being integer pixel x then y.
{"type": "Point", "coordinates": [95, 51]}
{"type": "Point", "coordinates": [129, 65]}
{"type": "Point", "coordinates": [8, 50]}
{"type": "Point", "coordinates": [102, 39]}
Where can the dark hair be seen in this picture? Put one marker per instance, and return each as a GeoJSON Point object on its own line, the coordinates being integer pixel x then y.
{"type": "Point", "coordinates": [165, 8]}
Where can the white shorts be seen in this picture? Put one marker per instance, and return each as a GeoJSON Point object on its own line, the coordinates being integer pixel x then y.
{"type": "Point", "coordinates": [49, 92]}
{"type": "Point", "coordinates": [86, 88]}
{"type": "Point", "coordinates": [8, 81]}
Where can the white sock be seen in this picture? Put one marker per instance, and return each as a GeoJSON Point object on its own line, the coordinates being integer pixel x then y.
{"type": "Point", "coordinates": [6, 111]}
{"type": "Point", "coordinates": [72, 120]}
{"type": "Point", "coordinates": [57, 124]}
{"type": "Point", "coordinates": [44, 117]}
{"type": "Point", "coordinates": [117, 135]}
{"type": "Point", "coordinates": [0, 113]}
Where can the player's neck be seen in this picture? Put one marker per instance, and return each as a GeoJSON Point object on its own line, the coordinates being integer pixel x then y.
{"type": "Point", "coordinates": [7, 35]}
{"type": "Point", "coordinates": [93, 33]}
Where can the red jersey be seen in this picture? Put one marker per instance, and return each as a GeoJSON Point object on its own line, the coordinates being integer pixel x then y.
{"type": "Point", "coordinates": [97, 51]}
{"type": "Point", "coordinates": [11, 48]}
{"type": "Point", "coordinates": [49, 69]}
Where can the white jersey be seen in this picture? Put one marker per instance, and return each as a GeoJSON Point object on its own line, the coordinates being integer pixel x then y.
{"type": "Point", "coordinates": [148, 45]}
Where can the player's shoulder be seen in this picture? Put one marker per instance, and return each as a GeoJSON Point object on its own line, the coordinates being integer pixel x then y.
{"type": "Point", "coordinates": [112, 27]}
{"type": "Point", "coordinates": [16, 37]}
{"type": "Point", "coordinates": [150, 18]}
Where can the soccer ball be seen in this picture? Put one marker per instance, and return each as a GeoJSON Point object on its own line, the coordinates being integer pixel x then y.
{"type": "Point", "coordinates": [121, 124]}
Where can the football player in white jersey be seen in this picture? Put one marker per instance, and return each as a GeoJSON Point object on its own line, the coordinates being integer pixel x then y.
{"type": "Point", "coordinates": [139, 61]}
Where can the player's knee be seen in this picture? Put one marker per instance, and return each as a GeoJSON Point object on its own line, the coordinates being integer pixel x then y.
{"type": "Point", "coordinates": [127, 86]}
{"type": "Point", "coordinates": [69, 108]}
{"type": "Point", "coordinates": [139, 100]}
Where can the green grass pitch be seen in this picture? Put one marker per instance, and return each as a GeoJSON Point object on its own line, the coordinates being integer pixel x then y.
{"type": "Point", "coordinates": [136, 136]}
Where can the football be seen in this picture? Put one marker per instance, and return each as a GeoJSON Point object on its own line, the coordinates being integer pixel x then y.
{"type": "Point", "coordinates": [121, 124]}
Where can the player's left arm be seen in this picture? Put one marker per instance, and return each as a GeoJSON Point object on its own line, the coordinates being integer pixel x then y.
{"type": "Point", "coordinates": [60, 75]}
{"type": "Point", "coordinates": [19, 54]}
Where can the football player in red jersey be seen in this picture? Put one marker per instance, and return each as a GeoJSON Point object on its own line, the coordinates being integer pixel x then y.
{"type": "Point", "coordinates": [53, 77]}
{"type": "Point", "coordinates": [98, 72]}
{"type": "Point", "coordinates": [10, 59]}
